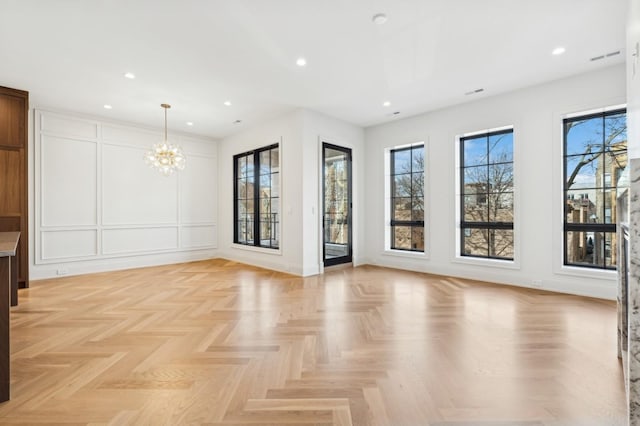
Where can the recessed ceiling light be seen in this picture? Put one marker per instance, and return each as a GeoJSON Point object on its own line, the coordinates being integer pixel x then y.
{"type": "Point", "coordinates": [130, 75]}
{"type": "Point", "coordinates": [227, 103]}
{"type": "Point", "coordinates": [379, 18]}
{"type": "Point", "coordinates": [107, 106]}
{"type": "Point", "coordinates": [558, 51]}
{"type": "Point", "coordinates": [301, 62]}
{"type": "Point", "coordinates": [386, 103]}
{"type": "Point", "coordinates": [189, 123]}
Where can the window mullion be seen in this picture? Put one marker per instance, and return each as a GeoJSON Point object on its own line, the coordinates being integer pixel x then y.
{"type": "Point", "coordinates": [488, 191]}
{"type": "Point", "coordinates": [411, 192]}
{"type": "Point", "coordinates": [256, 199]}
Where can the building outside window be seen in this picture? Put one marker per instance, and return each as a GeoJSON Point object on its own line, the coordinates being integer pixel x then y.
{"type": "Point", "coordinates": [256, 209]}
{"type": "Point", "coordinates": [486, 201]}
{"type": "Point", "coordinates": [407, 198]}
{"type": "Point", "coordinates": [595, 153]}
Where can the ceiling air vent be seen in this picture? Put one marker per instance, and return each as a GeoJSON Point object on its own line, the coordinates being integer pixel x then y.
{"type": "Point", "coordinates": [606, 55]}
{"type": "Point", "coordinates": [473, 92]}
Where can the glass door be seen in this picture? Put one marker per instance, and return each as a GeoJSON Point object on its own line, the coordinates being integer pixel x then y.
{"type": "Point", "coordinates": [336, 210]}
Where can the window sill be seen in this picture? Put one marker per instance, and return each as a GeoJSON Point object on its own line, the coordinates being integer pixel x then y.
{"type": "Point", "coordinates": [276, 252]}
{"type": "Point", "coordinates": [491, 263]}
{"type": "Point", "coordinates": [406, 254]}
{"type": "Point", "coordinates": [577, 271]}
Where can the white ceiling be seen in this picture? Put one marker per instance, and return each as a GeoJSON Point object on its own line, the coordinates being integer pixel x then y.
{"type": "Point", "coordinates": [196, 54]}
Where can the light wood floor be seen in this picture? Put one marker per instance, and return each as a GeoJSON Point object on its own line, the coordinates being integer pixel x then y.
{"type": "Point", "coordinates": [217, 342]}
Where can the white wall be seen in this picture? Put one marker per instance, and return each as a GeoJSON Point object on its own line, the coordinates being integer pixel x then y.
{"type": "Point", "coordinates": [536, 114]}
{"type": "Point", "coordinates": [319, 128]}
{"type": "Point", "coordinates": [287, 131]}
{"type": "Point", "coordinates": [99, 207]}
{"type": "Point", "coordinates": [300, 135]}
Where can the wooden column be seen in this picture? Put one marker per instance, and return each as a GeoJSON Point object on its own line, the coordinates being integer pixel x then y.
{"type": "Point", "coordinates": [8, 248]}
{"type": "Point", "coordinates": [14, 107]}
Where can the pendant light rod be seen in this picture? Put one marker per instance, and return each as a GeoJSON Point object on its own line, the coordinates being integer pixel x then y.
{"type": "Point", "coordinates": [166, 107]}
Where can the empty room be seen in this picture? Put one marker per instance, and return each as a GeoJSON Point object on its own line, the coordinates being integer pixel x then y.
{"type": "Point", "coordinates": [296, 212]}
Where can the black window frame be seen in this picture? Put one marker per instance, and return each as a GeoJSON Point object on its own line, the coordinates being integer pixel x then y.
{"type": "Point", "coordinates": [409, 223]}
{"type": "Point", "coordinates": [273, 222]}
{"type": "Point", "coordinates": [467, 227]}
{"type": "Point", "coordinates": [585, 227]}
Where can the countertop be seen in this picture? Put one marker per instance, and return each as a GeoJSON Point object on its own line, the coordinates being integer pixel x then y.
{"type": "Point", "coordinates": [8, 243]}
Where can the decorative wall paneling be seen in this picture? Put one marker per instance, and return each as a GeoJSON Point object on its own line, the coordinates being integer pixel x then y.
{"type": "Point", "coordinates": [96, 199]}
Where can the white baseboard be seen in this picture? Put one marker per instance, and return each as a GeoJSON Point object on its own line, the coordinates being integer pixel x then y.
{"type": "Point", "coordinates": [601, 289]}
{"type": "Point", "coordinates": [39, 272]}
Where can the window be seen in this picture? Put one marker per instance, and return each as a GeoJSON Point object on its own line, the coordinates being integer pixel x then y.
{"type": "Point", "coordinates": [486, 201]}
{"type": "Point", "coordinates": [407, 198]}
{"type": "Point", "coordinates": [595, 153]}
{"type": "Point", "coordinates": [256, 209]}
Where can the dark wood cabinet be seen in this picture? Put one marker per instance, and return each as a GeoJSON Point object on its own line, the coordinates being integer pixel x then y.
{"type": "Point", "coordinates": [14, 213]}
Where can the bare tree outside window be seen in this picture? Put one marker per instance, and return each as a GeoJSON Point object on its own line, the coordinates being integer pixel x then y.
{"type": "Point", "coordinates": [595, 154]}
{"type": "Point", "coordinates": [487, 195]}
{"type": "Point", "coordinates": [336, 201]}
{"type": "Point", "coordinates": [407, 198]}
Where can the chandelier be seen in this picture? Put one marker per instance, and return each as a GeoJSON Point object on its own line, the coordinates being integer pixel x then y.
{"type": "Point", "coordinates": [165, 156]}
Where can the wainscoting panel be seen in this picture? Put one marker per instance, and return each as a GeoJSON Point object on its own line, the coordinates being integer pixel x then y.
{"type": "Point", "coordinates": [68, 181]}
{"type": "Point", "coordinates": [70, 127]}
{"type": "Point", "coordinates": [69, 244]}
{"type": "Point", "coordinates": [134, 194]}
{"type": "Point", "coordinates": [99, 207]}
{"type": "Point", "coordinates": [128, 135]}
{"type": "Point", "coordinates": [198, 236]}
{"type": "Point", "coordinates": [198, 190]}
{"type": "Point", "coordinates": [135, 240]}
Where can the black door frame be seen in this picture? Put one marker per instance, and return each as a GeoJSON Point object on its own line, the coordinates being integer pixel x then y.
{"type": "Point", "coordinates": [349, 257]}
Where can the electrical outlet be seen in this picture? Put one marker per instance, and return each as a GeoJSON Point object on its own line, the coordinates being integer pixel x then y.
{"type": "Point", "coordinates": [62, 271]}
{"type": "Point", "coordinates": [536, 283]}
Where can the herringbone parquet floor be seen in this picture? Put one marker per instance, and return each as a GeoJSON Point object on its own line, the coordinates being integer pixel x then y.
{"type": "Point", "coordinates": [216, 342]}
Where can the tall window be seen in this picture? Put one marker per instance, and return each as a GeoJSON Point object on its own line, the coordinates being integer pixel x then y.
{"type": "Point", "coordinates": [256, 209]}
{"type": "Point", "coordinates": [486, 179]}
{"type": "Point", "coordinates": [407, 198]}
{"type": "Point", "coordinates": [595, 153]}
